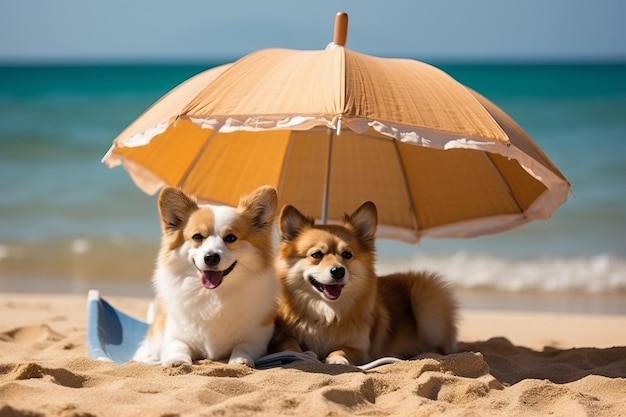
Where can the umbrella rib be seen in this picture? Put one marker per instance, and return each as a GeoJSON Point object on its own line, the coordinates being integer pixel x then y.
{"type": "Point", "coordinates": [406, 186]}
{"type": "Point", "coordinates": [187, 173]}
{"type": "Point", "coordinates": [504, 181]}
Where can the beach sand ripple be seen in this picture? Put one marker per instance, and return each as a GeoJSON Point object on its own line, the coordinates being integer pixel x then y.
{"type": "Point", "coordinates": [45, 370]}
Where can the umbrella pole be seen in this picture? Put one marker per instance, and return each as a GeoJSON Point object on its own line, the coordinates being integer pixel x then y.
{"type": "Point", "coordinates": [411, 207]}
{"type": "Point", "coordinates": [327, 178]}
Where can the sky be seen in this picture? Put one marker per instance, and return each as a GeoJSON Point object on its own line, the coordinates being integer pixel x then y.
{"type": "Point", "coordinates": [198, 30]}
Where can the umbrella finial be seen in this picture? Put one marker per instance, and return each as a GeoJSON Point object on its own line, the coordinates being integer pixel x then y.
{"type": "Point", "coordinates": [341, 29]}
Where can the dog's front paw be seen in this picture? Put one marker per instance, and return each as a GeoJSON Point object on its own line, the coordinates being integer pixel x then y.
{"type": "Point", "coordinates": [337, 360]}
{"type": "Point", "coordinates": [241, 360]}
{"type": "Point", "coordinates": [146, 357]}
{"type": "Point", "coordinates": [175, 353]}
{"type": "Point", "coordinates": [147, 353]}
{"type": "Point", "coordinates": [176, 361]}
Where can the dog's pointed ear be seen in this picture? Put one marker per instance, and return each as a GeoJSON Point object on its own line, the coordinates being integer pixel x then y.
{"type": "Point", "coordinates": [175, 207]}
{"type": "Point", "coordinates": [260, 206]}
{"type": "Point", "coordinates": [291, 222]}
{"type": "Point", "coordinates": [364, 222]}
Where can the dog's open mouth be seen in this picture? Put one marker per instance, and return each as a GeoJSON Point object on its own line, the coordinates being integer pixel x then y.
{"type": "Point", "coordinates": [213, 279]}
{"type": "Point", "coordinates": [332, 292]}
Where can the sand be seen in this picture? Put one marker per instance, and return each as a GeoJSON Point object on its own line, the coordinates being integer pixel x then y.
{"type": "Point", "coordinates": [511, 364]}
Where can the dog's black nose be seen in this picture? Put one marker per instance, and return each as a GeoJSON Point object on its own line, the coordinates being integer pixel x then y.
{"type": "Point", "coordinates": [337, 272]}
{"type": "Point", "coordinates": [212, 259]}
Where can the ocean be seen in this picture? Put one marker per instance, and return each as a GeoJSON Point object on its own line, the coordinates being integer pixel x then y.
{"type": "Point", "coordinates": [68, 223]}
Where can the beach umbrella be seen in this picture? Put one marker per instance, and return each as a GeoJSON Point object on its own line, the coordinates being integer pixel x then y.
{"type": "Point", "coordinates": [333, 128]}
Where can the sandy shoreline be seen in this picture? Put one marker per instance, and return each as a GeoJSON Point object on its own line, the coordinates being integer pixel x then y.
{"type": "Point", "coordinates": [512, 363]}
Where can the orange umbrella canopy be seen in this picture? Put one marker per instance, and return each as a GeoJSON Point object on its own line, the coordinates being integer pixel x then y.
{"type": "Point", "coordinates": [334, 128]}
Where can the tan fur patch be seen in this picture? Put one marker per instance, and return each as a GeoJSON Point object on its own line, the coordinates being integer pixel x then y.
{"type": "Point", "coordinates": [158, 325]}
{"type": "Point", "coordinates": [200, 222]}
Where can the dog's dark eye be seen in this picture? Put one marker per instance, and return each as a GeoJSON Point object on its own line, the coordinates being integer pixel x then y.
{"type": "Point", "coordinates": [197, 237]}
{"type": "Point", "coordinates": [317, 255]}
{"type": "Point", "coordinates": [230, 238]}
{"type": "Point", "coordinates": [346, 254]}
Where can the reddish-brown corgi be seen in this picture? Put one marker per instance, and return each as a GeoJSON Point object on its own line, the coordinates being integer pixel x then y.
{"type": "Point", "coordinates": [333, 304]}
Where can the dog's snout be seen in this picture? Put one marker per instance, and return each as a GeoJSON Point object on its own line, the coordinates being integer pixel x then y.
{"type": "Point", "coordinates": [212, 259]}
{"type": "Point", "coordinates": [337, 272]}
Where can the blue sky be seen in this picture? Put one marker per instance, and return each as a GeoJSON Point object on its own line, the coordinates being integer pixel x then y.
{"type": "Point", "coordinates": [196, 30]}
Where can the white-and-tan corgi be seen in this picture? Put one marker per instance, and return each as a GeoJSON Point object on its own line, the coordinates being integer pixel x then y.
{"type": "Point", "coordinates": [333, 304]}
{"type": "Point", "coordinates": [215, 281]}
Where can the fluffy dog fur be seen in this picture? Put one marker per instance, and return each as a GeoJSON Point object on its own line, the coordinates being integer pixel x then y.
{"type": "Point", "coordinates": [333, 304]}
{"type": "Point", "coordinates": [215, 281]}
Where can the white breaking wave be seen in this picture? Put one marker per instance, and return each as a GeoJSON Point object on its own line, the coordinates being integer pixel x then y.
{"type": "Point", "coordinates": [595, 274]}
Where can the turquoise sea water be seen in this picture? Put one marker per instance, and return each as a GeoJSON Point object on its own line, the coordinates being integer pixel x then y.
{"type": "Point", "coordinates": [67, 221]}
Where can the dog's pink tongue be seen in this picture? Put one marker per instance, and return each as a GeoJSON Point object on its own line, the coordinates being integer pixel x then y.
{"type": "Point", "coordinates": [332, 292]}
{"type": "Point", "coordinates": [212, 279]}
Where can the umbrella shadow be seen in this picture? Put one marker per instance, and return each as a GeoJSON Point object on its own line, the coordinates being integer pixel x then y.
{"type": "Point", "coordinates": [511, 364]}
